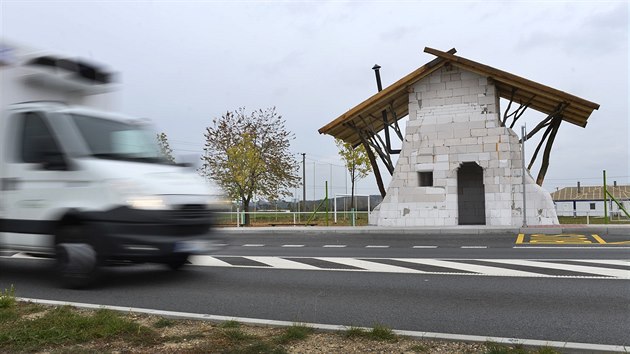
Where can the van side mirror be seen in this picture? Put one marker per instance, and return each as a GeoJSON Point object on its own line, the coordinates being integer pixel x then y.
{"type": "Point", "coordinates": [55, 161]}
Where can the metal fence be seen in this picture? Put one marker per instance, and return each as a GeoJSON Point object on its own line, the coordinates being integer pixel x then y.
{"type": "Point", "coordinates": [289, 218]}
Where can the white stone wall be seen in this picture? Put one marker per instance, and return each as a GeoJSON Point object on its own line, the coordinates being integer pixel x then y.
{"type": "Point", "coordinates": [453, 118]}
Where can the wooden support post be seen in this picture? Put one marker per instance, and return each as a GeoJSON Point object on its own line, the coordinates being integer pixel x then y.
{"type": "Point", "coordinates": [555, 124]}
{"type": "Point", "coordinates": [542, 140]}
{"type": "Point", "coordinates": [377, 172]}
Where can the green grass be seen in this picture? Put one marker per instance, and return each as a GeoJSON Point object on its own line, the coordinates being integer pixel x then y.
{"type": "Point", "coordinates": [258, 347]}
{"type": "Point", "coordinates": [494, 348]}
{"type": "Point", "coordinates": [354, 332]}
{"type": "Point", "coordinates": [62, 326]}
{"type": "Point", "coordinates": [237, 335]}
{"type": "Point", "coordinates": [7, 298]}
{"type": "Point", "coordinates": [163, 323]}
{"type": "Point", "coordinates": [230, 324]}
{"type": "Point", "coordinates": [378, 333]}
{"type": "Point", "coordinates": [419, 348]}
{"type": "Point", "coordinates": [382, 333]}
{"type": "Point", "coordinates": [293, 333]}
{"type": "Point", "coordinates": [592, 220]}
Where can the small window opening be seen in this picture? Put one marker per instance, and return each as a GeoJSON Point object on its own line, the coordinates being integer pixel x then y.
{"type": "Point", "coordinates": [592, 206]}
{"type": "Point", "coordinates": [425, 179]}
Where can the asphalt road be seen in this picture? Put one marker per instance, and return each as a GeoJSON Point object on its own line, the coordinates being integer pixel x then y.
{"type": "Point", "coordinates": [558, 308]}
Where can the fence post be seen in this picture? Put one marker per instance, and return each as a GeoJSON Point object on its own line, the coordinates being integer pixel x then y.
{"type": "Point", "coordinates": [238, 216]}
{"type": "Point", "coordinates": [326, 203]}
{"type": "Point", "coordinates": [353, 214]}
{"type": "Point", "coordinates": [605, 201]}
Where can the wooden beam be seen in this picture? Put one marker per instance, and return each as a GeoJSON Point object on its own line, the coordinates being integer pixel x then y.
{"type": "Point", "coordinates": [542, 140]}
{"type": "Point", "coordinates": [377, 172]}
{"type": "Point", "coordinates": [555, 125]}
{"type": "Point", "coordinates": [515, 80]}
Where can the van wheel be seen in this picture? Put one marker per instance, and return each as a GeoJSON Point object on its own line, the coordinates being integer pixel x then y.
{"type": "Point", "coordinates": [175, 262]}
{"type": "Point", "coordinates": [76, 264]}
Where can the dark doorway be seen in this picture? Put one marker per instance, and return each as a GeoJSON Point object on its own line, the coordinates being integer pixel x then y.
{"type": "Point", "coordinates": [471, 194]}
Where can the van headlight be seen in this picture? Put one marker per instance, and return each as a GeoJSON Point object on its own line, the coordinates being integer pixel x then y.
{"type": "Point", "coordinates": [134, 195]}
{"type": "Point", "coordinates": [147, 203]}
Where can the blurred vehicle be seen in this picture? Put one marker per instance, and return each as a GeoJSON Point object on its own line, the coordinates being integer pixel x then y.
{"type": "Point", "coordinates": [86, 185]}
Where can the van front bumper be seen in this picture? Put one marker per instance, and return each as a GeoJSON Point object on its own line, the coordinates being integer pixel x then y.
{"type": "Point", "coordinates": [150, 235]}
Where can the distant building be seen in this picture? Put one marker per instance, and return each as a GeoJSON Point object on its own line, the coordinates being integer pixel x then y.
{"type": "Point", "coordinates": [580, 201]}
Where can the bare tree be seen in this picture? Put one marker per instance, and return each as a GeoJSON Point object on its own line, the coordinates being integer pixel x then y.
{"type": "Point", "coordinates": [248, 154]}
{"type": "Point", "coordinates": [357, 163]}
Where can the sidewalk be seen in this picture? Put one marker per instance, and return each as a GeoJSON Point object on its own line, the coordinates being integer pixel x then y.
{"type": "Point", "coordinates": [601, 230]}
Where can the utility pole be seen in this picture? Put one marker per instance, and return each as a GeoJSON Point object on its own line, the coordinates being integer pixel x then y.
{"type": "Point", "coordinates": [523, 138]}
{"type": "Point", "coordinates": [303, 181]}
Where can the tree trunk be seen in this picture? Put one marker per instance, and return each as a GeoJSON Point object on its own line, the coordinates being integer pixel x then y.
{"type": "Point", "coordinates": [352, 195]}
{"type": "Point", "coordinates": [246, 222]}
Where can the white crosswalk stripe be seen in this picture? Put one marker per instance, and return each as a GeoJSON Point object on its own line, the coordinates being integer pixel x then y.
{"type": "Point", "coordinates": [449, 266]}
{"type": "Point", "coordinates": [546, 268]}
{"type": "Point", "coordinates": [607, 272]}
{"type": "Point", "coordinates": [474, 268]}
{"type": "Point", "coordinates": [277, 262]}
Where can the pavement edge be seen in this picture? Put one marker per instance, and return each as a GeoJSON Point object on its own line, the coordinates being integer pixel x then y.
{"type": "Point", "coordinates": [573, 346]}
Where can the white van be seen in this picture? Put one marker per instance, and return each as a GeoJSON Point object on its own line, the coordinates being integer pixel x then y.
{"type": "Point", "coordinates": [85, 185]}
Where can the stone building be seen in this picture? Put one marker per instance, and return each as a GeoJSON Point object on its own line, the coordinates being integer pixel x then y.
{"type": "Point", "coordinates": [460, 162]}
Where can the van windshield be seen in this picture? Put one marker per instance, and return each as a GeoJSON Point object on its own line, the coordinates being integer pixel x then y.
{"type": "Point", "coordinates": [117, 140]}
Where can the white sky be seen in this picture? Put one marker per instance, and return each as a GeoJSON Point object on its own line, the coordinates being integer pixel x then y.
{"type": "Point", "coordinates": [181, 63]}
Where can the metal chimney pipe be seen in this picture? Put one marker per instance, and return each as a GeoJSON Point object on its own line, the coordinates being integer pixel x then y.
{"type": "Point", "coordinates": [579, 188]}
{"type": "Point", "coordinates": [376, 69]}
{"type": "Point", "coordinates": [614, 183]}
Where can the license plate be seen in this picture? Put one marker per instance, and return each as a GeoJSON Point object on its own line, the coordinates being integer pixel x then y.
{"type": "Point", "coordinates": [190, 246]}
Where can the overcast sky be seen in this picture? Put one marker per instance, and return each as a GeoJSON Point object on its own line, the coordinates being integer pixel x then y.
{"type": "Point", "coordinates": [181, 63]}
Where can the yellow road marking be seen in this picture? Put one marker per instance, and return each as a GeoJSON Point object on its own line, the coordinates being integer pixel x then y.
{"type": "Point", "coordinates": [598, 239]}
{"type": "Point", "coordinates": [561, 239]}
{"type": "Point", "coordinates": [565, 239]}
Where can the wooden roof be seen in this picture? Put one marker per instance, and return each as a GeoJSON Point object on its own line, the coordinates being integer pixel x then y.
{"type": "Point", "coordinates": [590, 193]}
{"type": "Point", "coordinates": [368, 113]}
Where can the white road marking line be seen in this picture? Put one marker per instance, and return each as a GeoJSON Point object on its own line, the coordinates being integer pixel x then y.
{"type": "Point", "coordinates": [370, 266]}
{"type": "Point", "coordinates": [207, 261]}
{"type": "Point", "coordinates": [486, 270]}
{"type": "Point", "coordinates": [474, 247]}
{"type": "Point", "coordinates": [376, 246]}
{"type": "Point", "coordinates": [617, 273]}
{"type": "Point", "coordinates": [253, 245]}
{"type": "Point", "coordinates": [294, 246]}
{"type": "Point", "coordinates": [602, 261]}
{"type": "Point", "coordinates": [424, 246]}
{"type": "Point", "coordinates": [334, 246]}
{"type": "Point", "coordinates": [278, 262]}
{"type": "Point", "coordinates": [560, 247]}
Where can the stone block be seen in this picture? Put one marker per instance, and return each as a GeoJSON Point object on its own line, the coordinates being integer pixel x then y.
{"type": "Point", "coordinates": [445, 93]}
{"type": "Point", "coordinates": [441, 158]}
{"type": "Point", "coordinates": [453, 84]}
{"type": "Point", "coordinates": [461, 91]}
{"type": "Point", "coordinates": [435, 79]}
{"type": "Point", "coordinates": [491, 139]}
{"type": "Point", "coordinates": [453, 100]}
{"type": "Point", "coordinates": [478, 132]}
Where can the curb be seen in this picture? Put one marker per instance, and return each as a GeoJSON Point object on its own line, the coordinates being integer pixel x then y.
{"type": "Point", "coordinates": [573, 346]}
{"type": "Point", "coordinates": [611, 230]}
